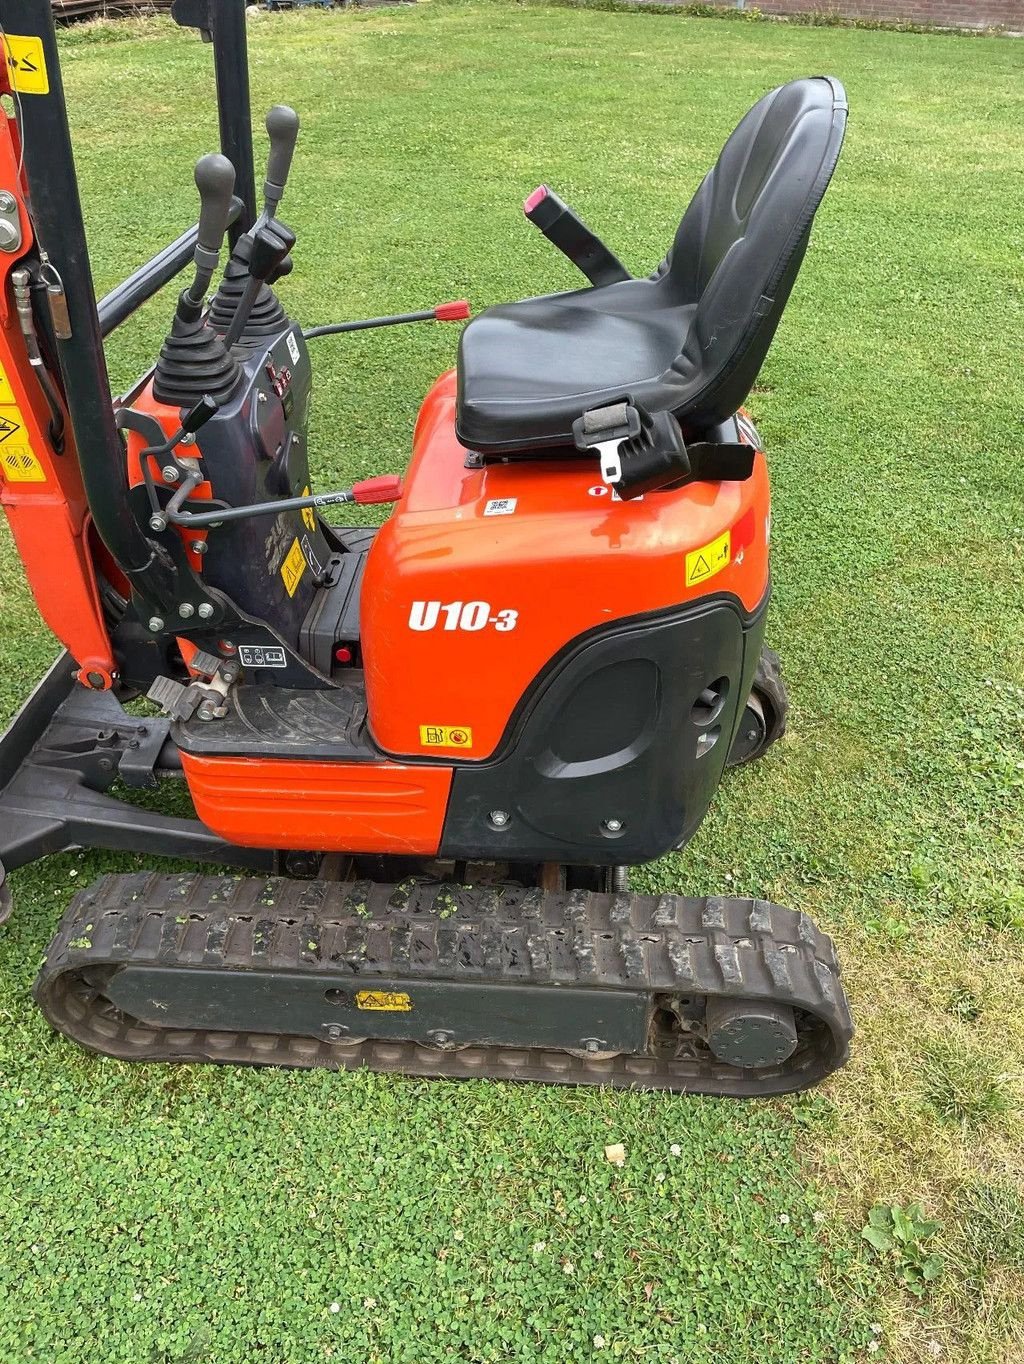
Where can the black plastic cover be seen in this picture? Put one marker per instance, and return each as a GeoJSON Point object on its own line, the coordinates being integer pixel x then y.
{"type": "Point", "coordinates": [617, 756]}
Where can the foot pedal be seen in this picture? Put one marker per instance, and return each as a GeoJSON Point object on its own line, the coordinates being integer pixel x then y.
{"type": "Point", "coordinates": [206, 695]}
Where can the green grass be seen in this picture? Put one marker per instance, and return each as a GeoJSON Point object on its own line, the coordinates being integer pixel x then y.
{"type": "Point", "coordinates": [182, 1214]}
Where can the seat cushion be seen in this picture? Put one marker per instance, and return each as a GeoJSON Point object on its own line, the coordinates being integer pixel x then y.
{"type": "Point", "coordinates": [527, 370]}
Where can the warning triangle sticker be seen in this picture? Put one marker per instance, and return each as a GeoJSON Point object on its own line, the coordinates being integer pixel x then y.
{"type": "Point", "coordinates": [700, 569]}
{"type": "Point", "coordinates": [7, 428]}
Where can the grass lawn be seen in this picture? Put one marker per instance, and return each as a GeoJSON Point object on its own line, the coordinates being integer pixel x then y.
{"type": "Point", "coordinates": [167, 1214]}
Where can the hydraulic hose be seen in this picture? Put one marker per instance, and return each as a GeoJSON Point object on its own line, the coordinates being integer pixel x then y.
{"type": "Point", "coordinates": [21, 281]}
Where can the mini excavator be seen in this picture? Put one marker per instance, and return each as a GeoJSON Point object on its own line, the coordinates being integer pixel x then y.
{"type": "Point", "coordinates": [422, 757]}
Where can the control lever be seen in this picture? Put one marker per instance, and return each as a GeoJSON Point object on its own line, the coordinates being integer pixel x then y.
{"type": "Point", "coordinates": [195, 418]}
{"type": "Point", "coordinates": [271, 244]}
{"type": "Point", "coordinates": [283, 131]}
{"type": "Point", "coordinates": [187, 475]}
{"type": "Point", "coordinates": [371, 491]}
{"type": "Point", "coordinates": [455, 311]}
{"type": "Point", "coordinates": [215, 181]}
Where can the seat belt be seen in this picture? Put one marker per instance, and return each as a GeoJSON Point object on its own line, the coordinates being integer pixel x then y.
{"type": "Point", "coordinates": [642, 451]}
{"type": "Point", "coordinates": [565, 229]}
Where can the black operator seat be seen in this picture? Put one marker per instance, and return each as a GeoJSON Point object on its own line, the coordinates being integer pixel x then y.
{"type": "Point", "coordinates": [689, 339]}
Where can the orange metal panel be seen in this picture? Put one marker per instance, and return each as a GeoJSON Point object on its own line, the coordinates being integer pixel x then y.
{"type": "Point", "coordinates": [321, 806]}
{"type": "Point", "coordinates": [482, 575]}
{"type": "Point", "coordinates": [40, 490]}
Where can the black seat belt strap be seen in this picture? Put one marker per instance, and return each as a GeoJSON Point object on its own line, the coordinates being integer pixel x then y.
{"type": "Point", "coordinates": [566, 230]}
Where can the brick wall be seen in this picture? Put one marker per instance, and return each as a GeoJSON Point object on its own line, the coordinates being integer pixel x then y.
{"type": "Point", "coordinates": [944, 13]}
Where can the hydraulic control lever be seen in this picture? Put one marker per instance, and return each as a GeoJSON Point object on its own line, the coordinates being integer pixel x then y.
{"type": "Point", "coordinates": [383, 488]}
{"type": "Point", "coordinates": [455, 311]}
{"type": "Point", "coordinates": [186, 474]}
{"type": "Point", "coordinates": [283, 131]}
{"type": "Point", "coordinates": [193, 360]}
{"type": "Point", "coordinates": [271, 243]}
{"type": "Point", "coordinates": [215, 181]}
{"type": "Point", "coordinates": [245, 310]}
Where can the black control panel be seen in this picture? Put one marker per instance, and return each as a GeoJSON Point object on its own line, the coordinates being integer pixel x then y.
{"type": "Point", "coordinates": [255, 450]}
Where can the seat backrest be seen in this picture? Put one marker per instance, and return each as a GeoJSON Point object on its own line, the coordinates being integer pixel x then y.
{"type": "Point", "coordinates": [742, 239]}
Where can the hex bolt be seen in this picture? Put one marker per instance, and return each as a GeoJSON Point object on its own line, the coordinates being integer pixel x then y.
{"type": "Point", "coordinates": [189, 438]}
{"type": "Point", "coordinates": [207, 711]}
{"type": "Point", "coordinates": [261, 397]}
{"type": "Point", "coordinates": [440, 1038]}
{"type": "Point", "coordinates": [499, 818]}
{"type": "Point", "coordinates": [205, 610]}
{"type": "Point", "coordinates": [156, 624]}
{"type": "Point", "coordinates": [10, 237]}
{"type": "Point", "coordinates": [334, 1033]}
{"type": "Point", "coordinates": [197, 546]}
{"type": "Point", "coordinates": [158, 521]}
{"type": "Point", "coordinates": [7, 201]}
{"type": "Point", "coordinates": [186, 609]}
{"type": "Point", "coordinates": [169, 473]}
{"type": "Point", "coordinates": [612, 826]}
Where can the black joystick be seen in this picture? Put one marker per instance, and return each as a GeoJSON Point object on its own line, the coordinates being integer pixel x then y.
{"type": "Point", "coordinates": [250, 313]}
{"type": "Point", "coordinates": [271, 243]}
{"type": "Point", "coordinates": [193, 359]}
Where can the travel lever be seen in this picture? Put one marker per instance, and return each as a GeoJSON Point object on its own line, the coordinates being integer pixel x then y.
{"type": "Point", "coordinates": [270, 246]}
{"type": "Point", "coordinates": [215, 181]}
{"type": "Point", "coordinates": [283, 131]}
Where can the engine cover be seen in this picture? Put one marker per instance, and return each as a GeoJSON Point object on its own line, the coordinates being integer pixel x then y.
{"type": "Point", "coordinates": [487, 572]}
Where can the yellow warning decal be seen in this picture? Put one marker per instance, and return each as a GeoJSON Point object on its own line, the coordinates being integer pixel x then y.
{"type": "Point", "coordinates": [446, 736]}
{"type": "Point", "coordinates": [308, 514]}
{"type": "Point", "coordinates": [12, 425]}
{"type": "Point", "coordinates": [293, 567]}
{"type": "Point", "coordinates": [26, 65]}
{"type": "Point", "coordinates": [708, 560]}
{"type": "Point", "coordinates": [19, 465]}
{"type": "Point", "coordinates": [384, 1001]}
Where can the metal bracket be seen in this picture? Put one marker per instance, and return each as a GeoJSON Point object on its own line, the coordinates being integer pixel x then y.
{"type": "Point", "coordinates": [58, 759]}
{"type": "Point", "coordinates": [10, 223]}
{"type": "Point", "coordinates": [194, 14]}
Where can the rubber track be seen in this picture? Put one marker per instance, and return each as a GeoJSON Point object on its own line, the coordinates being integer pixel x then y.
{"type": "Point", "coordinates": [417, 931]}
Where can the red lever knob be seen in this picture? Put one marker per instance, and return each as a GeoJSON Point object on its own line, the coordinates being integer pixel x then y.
{"type": "Point", "coordinates": [457, 311]}
{"type": "Point", "coordinates": [535, 198]}
{"type": "Point", "coordinates": [384, 488]}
